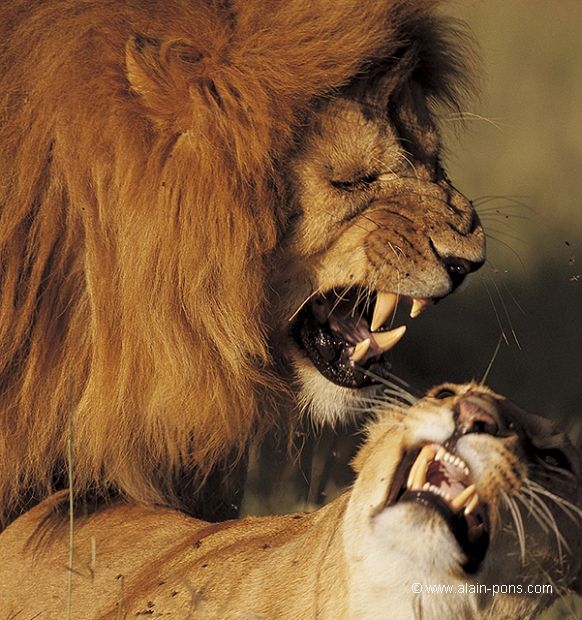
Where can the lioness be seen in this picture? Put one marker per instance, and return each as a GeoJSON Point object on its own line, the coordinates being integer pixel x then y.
{"type": "Point", "coordinates": [460, 490]}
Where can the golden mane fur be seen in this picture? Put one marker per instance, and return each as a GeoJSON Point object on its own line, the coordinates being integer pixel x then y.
{"type": "Point", "coordinates": [363, 556]}
{"type": "Point", "coordinates": [140, 206]}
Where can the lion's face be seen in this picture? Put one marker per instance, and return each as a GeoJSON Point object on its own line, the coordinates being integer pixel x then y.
{"type": "Point", "coordinates": [375, 225]}
{"type": "Point", "coordinates": [465, 489]}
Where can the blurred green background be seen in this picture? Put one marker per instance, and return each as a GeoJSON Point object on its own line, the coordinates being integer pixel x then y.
{"type": "Point", "coordinates": [519, 158]}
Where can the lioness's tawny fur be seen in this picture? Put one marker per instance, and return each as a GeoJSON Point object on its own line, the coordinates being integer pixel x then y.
{"type": "Point", "coordinates": [171, 197]}
{"type": "Point", "coordinates": [461, 490]}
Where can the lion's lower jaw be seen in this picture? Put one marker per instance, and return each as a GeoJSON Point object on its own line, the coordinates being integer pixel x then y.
{"type": "Point", "coordinates": [323, 401]}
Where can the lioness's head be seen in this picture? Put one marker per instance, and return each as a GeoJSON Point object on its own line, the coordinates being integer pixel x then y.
{"type": "Point", "coordinates": [466, 491]}
{"type": "Point", "coordinates": [374, 225]}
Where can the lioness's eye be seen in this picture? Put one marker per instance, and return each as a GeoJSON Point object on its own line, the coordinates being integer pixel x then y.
{"type": "Point", "coordinates": [555, 458]}
{"type": "Point", "coordinates": [444, 393]}
{"type": "Point", "coordinates": [360, 182]}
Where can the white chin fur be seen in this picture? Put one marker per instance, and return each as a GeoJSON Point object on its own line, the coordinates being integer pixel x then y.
{"type": "Point", "coordinates": [324, 401]}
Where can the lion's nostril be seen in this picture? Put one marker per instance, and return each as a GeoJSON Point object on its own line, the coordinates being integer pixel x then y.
{"type": "Point", "coordinates": [459, 268]}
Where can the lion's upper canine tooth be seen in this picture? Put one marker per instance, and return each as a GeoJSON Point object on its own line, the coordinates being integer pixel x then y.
{"type": "Point", "coordinates": [360, 350]}
{"type": "Point", "coordinates": [386, 340]}
{"type": "Point", "coordinates": [417, 308]}
{"type": "Point", "coordinates": [385, 304]}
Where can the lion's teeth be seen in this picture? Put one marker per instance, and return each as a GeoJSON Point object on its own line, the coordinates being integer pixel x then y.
{"type": "Point", "coordinates": [458, 501]}
{"type": "Point", "coordinates": [439, 455]}
{"type": "Point", "coordinates": [385, 304]}
{"type": "Point", "coordinates": [386, 340]}
{"type": "Point", "coordinates": [417, 308]}
{"type": "Point", "coordinates": [360, 350]}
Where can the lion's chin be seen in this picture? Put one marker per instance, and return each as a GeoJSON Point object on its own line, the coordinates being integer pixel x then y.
{"type": "Point", "coordinates": [327, 402]}
{"type": "Point", "coordinates": [346, 334]}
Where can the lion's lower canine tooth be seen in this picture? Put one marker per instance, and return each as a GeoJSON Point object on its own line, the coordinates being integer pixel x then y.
{"type": "Point", "coordinates": [386, 340]}
{"type": "Point", "coordinates": [417, 308]}
{"type": "Point", "coordinates": [385, 304]}
{"type": "Point", "coordinates": [462, 497]}
{"type": "Point", "coordinates": [360, 350]}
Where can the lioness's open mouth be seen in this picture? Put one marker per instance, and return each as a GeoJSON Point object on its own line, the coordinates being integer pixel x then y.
{"type": "Point", "coordinates": [436, 478]}
{"type": "Point", "coordinates": [346, 334]}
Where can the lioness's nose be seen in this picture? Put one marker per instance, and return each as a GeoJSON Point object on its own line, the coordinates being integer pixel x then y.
{"type": "Point", "coordinates": [473, 417]}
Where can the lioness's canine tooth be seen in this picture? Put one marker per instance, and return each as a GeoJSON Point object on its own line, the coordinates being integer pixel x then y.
{"type": "Point", "coordinates": [385, 304]}
{"type": "Point", "coordinates": [417, 308]}
{"type": "Point", "coordinates": [417, 475]}
{"type": "Point", "coordinates": [472, 504]}
{"type": "Point", "coordinates": [360, 350]}
{"type": "Point", "coordinates": [462, 497]}
{"type": "Point", "coordinates": [386, 340]}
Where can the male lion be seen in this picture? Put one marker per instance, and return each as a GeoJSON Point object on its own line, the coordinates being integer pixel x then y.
{"type": "Point", "coordinates": [461, 491]}
{"type": "Point", "coordinates": [204, 203]}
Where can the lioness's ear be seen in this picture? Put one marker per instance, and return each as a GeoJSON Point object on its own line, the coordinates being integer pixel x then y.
{"type": "Point", "coordinates": [161, 73]}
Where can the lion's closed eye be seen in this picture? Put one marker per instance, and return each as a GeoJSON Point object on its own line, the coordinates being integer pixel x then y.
{"type": "Point", "coordinates": [361, 182]}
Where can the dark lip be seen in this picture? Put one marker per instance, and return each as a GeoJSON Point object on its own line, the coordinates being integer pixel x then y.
{"type": "Point", "coordinates": [475, 549]}
{"type": "Point", "coordinates": [329, 352]}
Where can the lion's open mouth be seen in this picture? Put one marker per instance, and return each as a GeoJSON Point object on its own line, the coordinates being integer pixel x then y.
{"type": "Point", "coordinates": [436, 478]}
{"type": "Point", "coordinates": [346, 335]}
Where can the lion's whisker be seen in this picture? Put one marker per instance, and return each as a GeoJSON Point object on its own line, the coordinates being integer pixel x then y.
{"type": "Point", "coordinates": [304, 303]}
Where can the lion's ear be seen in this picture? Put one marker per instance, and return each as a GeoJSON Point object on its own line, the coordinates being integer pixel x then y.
{"type": "Point", "coordinates": [399, 74]}
{"type": "Point", "coordinates": [161, 74]}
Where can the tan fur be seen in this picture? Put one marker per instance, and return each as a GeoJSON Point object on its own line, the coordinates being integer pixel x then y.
{"type": "Point", "coordinates": [355, 558]}
{"type": "Point", "coordinates": [150, 195]}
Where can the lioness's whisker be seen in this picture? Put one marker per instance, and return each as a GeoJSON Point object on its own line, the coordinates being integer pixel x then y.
{"type": "Point", "coordinates": [543, 515]}
{"type": "Point", "coordinates": [567, 507]}
{"type": "Point", "coordinates": [516, 514]}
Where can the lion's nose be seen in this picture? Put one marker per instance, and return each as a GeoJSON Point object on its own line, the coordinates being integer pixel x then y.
{"type": "Point", "coordinates": [472, 416]}
{"type": "Point", "coordinates": [459, 268]}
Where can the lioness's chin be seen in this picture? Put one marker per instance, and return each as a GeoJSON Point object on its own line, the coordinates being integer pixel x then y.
{"type": "Point", "coordinates": [439, 554]}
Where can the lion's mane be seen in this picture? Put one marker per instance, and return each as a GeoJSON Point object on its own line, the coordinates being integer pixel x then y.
{"type": "Point", "coordinates": [140, 201]}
